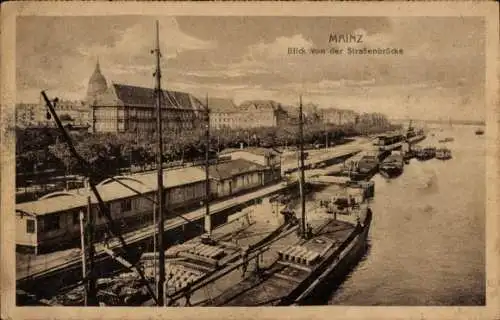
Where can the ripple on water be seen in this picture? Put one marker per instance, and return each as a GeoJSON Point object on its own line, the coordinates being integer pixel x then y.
{"type": "Point", "coordinates": [427, 237]}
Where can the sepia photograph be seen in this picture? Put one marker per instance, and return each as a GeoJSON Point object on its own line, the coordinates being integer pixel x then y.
{"type": "Point", "coordinates": [250, 160]}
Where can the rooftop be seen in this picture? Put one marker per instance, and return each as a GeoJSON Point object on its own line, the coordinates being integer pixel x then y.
{"type": "Point", "coordinates": [221, 105]}
{"type": "Point", "coordinates": [255, 150]}
{"type": "Point", "coordinates": [225, 170]}
{"type": "Point", "coordinates": [111, 190]}
{"type": "Point", "coordinates": [128, 95]}
{"type": "Point", "coordinates": [259, 105]}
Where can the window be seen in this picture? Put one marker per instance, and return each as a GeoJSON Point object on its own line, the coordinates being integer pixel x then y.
{"type": "Point", "coordinates": [126, 205]}
{"type": "Point", "coordinates": [100, 214]}
{"type": "Point", "coordinates": [51, 222]}
{"type": "Point", "coordinates": [30, 226]}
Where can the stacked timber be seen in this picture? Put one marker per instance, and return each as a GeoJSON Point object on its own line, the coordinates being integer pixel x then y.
{"type": "Point", "coordinates": [299, 254]}
{"type": "Point", "coordinates": [204, 250]}
{"type": "Point", "coordinates": [204, 253]}
{"type": "Point", "coordinates": [179, 277]}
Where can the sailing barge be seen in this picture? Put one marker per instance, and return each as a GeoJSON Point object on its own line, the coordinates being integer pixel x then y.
{"type": "Point", "coordinates": [304, 271]}
{"type": "Point", "coordinates": [188, 265]}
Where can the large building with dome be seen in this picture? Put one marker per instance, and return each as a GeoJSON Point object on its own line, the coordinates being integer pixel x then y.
{"type": "Point", "coordinates": [97, 84]}
{"type": "Point", "coordinates": [125, 108]}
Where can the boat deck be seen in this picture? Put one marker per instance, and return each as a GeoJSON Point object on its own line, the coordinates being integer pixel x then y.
{"type": "Point", "coordinates": [185, 263]}
{"type": "Point", "coordinates": [291, 270]}
{"type": "Point", "coordinates": [202, 259]}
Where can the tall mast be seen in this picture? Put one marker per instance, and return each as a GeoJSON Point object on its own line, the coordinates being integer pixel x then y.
{"type": "Point", "coordinates": [301, 181]}
{"type": "Point", "coordinates": [208, 221]}
{"type": "Point", "coordinates": [91, 285]}
{"type": "Point", "coordinates": [159, 164]}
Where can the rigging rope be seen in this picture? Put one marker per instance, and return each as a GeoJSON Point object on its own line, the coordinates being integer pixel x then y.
{"type": "Point", "coordinates": [104, 209]}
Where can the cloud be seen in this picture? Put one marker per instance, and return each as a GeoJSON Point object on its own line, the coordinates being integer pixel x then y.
{"type": "Point", "coordinates": [137, 41]}
{"type": "Point", "coordinates": [222, 71]}
{"type": "Point", "coordinates": [59, 53]}
{"type": "Point", "coordinates": [251, 58]}
{"type": "Point", "coordinates": [263, 58]}
{"type": "Point", "coordinates": [277, 49]}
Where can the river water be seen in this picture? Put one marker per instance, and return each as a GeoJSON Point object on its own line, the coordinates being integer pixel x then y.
{"type": "Point", "coordinates": [427, 239]}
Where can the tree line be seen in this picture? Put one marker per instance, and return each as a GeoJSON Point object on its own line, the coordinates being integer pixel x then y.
{"type": "Point", "coordinates": [42, 149]}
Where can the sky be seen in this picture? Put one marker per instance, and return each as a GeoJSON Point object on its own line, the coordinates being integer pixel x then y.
{"type": "Point", "coordinates": [439, 75]}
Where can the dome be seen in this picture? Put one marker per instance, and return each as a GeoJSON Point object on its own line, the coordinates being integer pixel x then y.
{"type": "Point", "coordinates": [97, 83]}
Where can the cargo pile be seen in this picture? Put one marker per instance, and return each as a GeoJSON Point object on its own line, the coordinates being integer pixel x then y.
{"type": "Point", "coordinates": [299, 254]}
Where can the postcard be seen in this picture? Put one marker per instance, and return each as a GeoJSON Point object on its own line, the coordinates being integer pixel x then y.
{"type": "Point", "coordinates": [249, 160]}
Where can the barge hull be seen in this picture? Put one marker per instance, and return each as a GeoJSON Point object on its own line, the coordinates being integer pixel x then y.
{"type": "Point", "coordinates": [282, 285]}
{"type": "Point", "coordinates": [331, 278]}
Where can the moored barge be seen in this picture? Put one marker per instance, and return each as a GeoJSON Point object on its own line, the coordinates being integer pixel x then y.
{"type": "Point", "coordinates": [392, 166]}
{"type": "Point", "coordinates": [303, 271]}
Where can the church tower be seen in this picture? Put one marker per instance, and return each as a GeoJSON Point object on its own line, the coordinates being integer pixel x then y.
{"type": "Point", "coordinates": [97, 83]}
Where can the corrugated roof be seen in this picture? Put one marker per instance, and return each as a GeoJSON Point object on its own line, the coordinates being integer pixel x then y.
{"type": "Point", "coordinates": [55, 204]}
{"type": "Point", "coordinates": [174, 178]}
{"type": "Point", "coordinates": [147, 182]}
{"type": "Point", "coordinates": [111, 190]}
{"type": "Point", "coordinates": [225, 170]}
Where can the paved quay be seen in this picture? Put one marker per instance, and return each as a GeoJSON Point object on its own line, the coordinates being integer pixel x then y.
{"type": "Point", "coordinates": [290, 159]}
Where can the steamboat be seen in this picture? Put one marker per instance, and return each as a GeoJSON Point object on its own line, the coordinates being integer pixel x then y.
{"type": "Point", "coordinates": [443, 154]}
{"type": "Point", "coordinates": [447, 139]}
{"type": "Point", "coordinates": [425, 153]}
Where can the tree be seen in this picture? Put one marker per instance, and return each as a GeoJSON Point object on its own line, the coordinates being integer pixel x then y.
{"type": "Point", "coordinates": [61, 152]}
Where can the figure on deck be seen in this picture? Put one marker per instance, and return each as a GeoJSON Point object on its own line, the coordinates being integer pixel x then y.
{"type": "Point", "coordinates": [352, 202]}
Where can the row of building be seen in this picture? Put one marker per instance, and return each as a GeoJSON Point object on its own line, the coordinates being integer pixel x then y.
{"type": "Point", "coordinates": [54, 219]}
{"type": "Point", "coordinates": [35, 114]}
{"type": "Point", "coordinates": [126, 108]}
